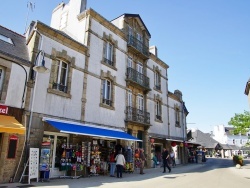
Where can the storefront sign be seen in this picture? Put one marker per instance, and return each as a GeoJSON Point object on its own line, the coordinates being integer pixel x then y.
{"type": "Point", "coordinates": [3, 109]}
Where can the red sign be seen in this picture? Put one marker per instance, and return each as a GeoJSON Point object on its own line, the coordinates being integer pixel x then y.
{"type": "Point", "coordinates": [13, 137]}
{"type": "Point", "coordinates": [3, 109]}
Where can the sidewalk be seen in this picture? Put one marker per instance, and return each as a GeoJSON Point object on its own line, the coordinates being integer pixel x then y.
{"type": "Point", "coordinates": [93, 180]}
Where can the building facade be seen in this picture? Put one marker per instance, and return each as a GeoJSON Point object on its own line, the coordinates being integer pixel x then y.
{"type": "Point", "coordinates": [106, 89]}
{"type": "Point", "coordinates": [14, 68]}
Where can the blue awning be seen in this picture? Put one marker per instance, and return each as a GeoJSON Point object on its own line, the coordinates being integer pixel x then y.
{"type": "Point", "coordinates": [88, 130]}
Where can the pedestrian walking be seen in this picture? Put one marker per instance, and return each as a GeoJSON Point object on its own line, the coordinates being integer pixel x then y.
{"type": "Point", "coordinates": [165, 158]}
{"type": "Point", "coordinates": [120, 163]}
{"type": "Point", "coordinates": [142, 158]}
{"type": "Point", "coordinates": [112, 164]}
{"type": "Point", "coordinates": [172, 156]}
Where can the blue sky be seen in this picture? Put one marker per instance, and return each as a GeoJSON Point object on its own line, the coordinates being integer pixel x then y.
{"type": "Point", "coordinates": [206, 44]}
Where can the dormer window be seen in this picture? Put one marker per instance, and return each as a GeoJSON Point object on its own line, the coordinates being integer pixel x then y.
{"type": "Point", "coordinates": [6, 39]}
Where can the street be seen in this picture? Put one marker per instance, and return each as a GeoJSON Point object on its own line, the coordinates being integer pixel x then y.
{"type": "Point", "coordinates": [216, 172]}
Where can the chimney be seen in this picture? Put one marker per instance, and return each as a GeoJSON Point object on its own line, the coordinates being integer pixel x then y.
{"type": "Point", "coordinates": [153, 50]}
{"type": "Point", "coordinates": [83, 5]}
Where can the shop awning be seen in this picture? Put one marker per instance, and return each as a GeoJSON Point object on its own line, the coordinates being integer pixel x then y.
{"type": "Point", "coordinates": [8, 124]}
{"type": "Point", "coordinates": [89, 130]}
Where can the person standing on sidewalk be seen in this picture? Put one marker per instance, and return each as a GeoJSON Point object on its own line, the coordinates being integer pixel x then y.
{"type": "Point", "coordinates": [112, 164]}
{"type": "Point", "coordinates": [120, 162]}
{"type": "Point", "coordinates": [142, 158]}
{"type": "Point", "coordinates": [165, 158]}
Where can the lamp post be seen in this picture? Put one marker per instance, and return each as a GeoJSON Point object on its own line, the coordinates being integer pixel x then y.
{"type": "Point", "coordinates": [39, 69]}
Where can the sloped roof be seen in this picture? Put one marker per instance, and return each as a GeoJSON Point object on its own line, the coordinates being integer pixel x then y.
{"type": "Point", "coordinates": [18, 50]}
{"type": "Point", "coordinates": [204, 139]}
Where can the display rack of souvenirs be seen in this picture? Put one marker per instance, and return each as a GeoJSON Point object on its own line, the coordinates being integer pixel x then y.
{"type": "Point", "coordinates": [95, 160]}
{"type": "Point", "coordinates": [129, 157]}
{"type": "Point", "coordinates": [137, 159]}
{"type": "Point", "coordinates": [71, 160]}
{"type": "Point", "coordinates": [45, 163]}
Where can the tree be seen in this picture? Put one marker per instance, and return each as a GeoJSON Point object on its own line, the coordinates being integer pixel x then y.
{"type": "Point", "coordinates": [241, 123]}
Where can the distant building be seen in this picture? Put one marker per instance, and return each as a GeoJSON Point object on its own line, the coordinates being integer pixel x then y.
{"type": "Point", "coordinates": [225, 135]}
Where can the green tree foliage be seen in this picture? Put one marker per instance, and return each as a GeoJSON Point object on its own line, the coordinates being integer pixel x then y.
{"type": "Point", "coordinates": [240, 122]}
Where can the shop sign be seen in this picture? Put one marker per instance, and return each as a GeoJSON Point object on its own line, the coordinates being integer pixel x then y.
{"type": "Point", "coordinates": [3, 109]}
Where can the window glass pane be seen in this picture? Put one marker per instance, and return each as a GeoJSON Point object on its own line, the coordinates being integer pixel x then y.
{"type": "Point", "coordinates": [108, 90]}
{"type": "Point", "coordinates": [103, 89]}
{"type": "Point", "coordinates": [63, 76]}
{"type": "Point", "coordinates": [56, 72]}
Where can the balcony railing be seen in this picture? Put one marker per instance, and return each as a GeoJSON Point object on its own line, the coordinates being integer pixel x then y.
{"type": "Point", "coordinates": [60, 87]}
{"type": "Point", "coordinates": [111, 63]}
{"type": "Point", "coordinates": [107, 102]}
{"type": "Point", "coordinates": [158, 87]}
{"type": "Point", "coordinates": [158, 117]}
{"type": "Point", "coordinates": [137, 77]}
{"type": "Point", "coordinates": [137, 115]}
{"type": "Point", "coordinates": [133, 41]}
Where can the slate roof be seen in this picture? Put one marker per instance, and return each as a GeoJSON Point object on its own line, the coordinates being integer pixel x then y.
{"type": "Point", "coordinates": [18, 50]}
{"type": "Point", "coordinates": [204, 139]}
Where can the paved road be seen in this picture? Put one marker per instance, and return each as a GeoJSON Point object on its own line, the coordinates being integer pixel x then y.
{"type": "Point", "coordinates": [215, 173]}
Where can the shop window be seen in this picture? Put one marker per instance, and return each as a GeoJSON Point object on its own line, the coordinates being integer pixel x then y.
{"type": "Point", "coordinates": [61, 77]}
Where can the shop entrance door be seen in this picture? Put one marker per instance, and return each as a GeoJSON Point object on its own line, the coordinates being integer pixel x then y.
{"type": "Point", "coordinates": [57, 140]}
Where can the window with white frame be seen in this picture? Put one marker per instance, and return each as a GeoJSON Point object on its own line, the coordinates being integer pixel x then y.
{"type": "Point", "coordinates": [139, 41]}
{"type": "Point", "coordinates": [140, 70]}
{"type": "Point", "coordinates": [61, 76]}
{"type": "Point", "coordinates": [130, 62]}
{"type": "Point", "coordinates": [140, 102]}
{"type": "Point", "coordinates": [129, 107]}
{"type": "Point", "coordinates": [129, 95]}
{"type": "Point", "coordinates": [108, 53]}
{"type": "Point", "coordinates": [107, 92]}
{"type": "Point", "coordinates": [177, 117]}
{"type": "Point", "coordinates": [130, 34]}
{"type": "Point", "coordinates": [157, 81]}
{"type": "Point", "coordinates": [158, 110]}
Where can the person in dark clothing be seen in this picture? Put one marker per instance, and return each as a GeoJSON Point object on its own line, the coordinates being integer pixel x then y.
{"type": "Point", "coordinates": [165, 158]}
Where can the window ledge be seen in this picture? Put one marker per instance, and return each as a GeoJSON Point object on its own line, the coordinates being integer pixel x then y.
{"type": "Point", "coordinates": [159, 121]}
{"type": "Point", "coordinates": [108, 65]}
{"type": "Point", "coordinates": [60, 93]}
{"type": "Point", "coordinates": [157, 90]}
{"type": "Point", "coordinates": [107, 106]}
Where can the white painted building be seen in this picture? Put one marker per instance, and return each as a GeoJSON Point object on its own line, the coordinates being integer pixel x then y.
{"type": "Point", "coordinates": [224, 135]}
{"type": "Point", "coordinates": [103, 77]}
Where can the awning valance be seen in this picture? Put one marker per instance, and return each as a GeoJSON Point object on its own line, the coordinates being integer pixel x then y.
{"type": "Point", "coordinates": [89, 130]}
{"type": "Point", "coordinates": [8, 124]}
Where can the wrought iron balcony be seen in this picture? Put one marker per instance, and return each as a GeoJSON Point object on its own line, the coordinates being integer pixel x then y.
{"type": "Point", "coordinates": [137, 115]}
{"type": "Point", "coordinates": [138, 45]}
{"type": "Point", "coordinates": [137, 77]}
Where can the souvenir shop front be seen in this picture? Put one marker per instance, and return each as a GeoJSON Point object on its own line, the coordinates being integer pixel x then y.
{"type": "Point", "coordinates": [73, 150]}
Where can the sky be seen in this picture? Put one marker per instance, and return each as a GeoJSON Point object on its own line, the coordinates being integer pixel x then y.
{"type": "Point", "coordinates": [205, 43]}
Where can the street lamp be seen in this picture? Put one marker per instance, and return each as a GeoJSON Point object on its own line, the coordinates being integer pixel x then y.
{"type": "Point", "coordinates": [40, 68]}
